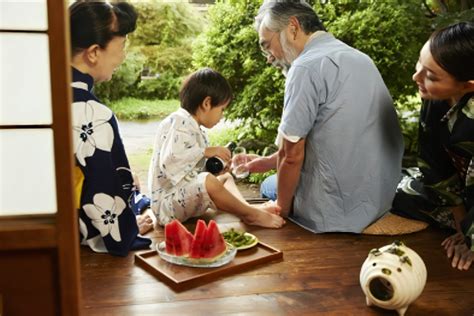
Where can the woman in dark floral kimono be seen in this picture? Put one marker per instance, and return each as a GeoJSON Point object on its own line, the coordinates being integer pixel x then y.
{"type": "Point", "coordinates": [441, 190]}
{"type": "Point", "coordinates": [109, 201]}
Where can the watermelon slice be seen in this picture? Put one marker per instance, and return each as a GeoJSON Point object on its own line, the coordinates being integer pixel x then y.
{"type": "Point", "coordinates": [178, 239]}
{"type": "Point", "coordinates": [199, 236]}
{"type": "Point", "coordinates": [214, 244]}
{"type": "Point", "coordinates": [207, 244]}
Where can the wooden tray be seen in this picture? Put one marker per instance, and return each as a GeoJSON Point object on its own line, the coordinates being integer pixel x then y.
{"type": "Point", "coordinates": [180, 277]}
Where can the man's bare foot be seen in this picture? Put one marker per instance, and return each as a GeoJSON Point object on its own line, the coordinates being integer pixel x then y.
{"type": "Point", "coordinates": [145, 223]}
{"type": "Point", "coordinates": [269, 207]}
{"type": "Point", "coordinates": [263, 218]}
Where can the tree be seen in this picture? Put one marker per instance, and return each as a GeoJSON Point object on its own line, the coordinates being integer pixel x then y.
{"type": "Point", "coordinates": [391, 33]}
{"type": "Point", "coordinates": [161, 45]}
{"type": "Point", "coordinates": [230, 46]}
{"type": "Point", "coordinates": [445, 12]}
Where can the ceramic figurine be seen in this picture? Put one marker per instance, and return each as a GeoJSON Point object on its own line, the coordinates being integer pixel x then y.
{"type": "Point", "coordinates": [392, 277]}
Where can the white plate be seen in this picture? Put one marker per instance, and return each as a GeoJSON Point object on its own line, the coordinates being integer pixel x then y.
{"type": "Point", "coordinates": [227, 257]}
{"type": "Point", "coordinates": [253, 244]}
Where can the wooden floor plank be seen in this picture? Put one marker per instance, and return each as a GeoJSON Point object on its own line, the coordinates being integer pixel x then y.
{"type": "Point", "coordinates": [319, 274]}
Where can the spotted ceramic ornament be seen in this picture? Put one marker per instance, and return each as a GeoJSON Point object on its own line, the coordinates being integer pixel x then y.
{"type": "Point", "coordinates": [392, 277]}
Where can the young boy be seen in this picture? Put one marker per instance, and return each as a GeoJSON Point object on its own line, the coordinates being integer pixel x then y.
{"type": "Point", "coordinates": [179, 185]}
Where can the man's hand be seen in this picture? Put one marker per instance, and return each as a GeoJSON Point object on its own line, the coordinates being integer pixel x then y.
{"type": "Point", "coordinates": [256, 163]}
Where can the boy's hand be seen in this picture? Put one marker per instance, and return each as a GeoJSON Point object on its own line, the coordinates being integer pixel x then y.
{"type": "Point", "coordinates": [219, 151]}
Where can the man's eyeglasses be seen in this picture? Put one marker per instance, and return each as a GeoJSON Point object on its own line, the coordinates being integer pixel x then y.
{"type": "Point", "coordinates": [265, 46]}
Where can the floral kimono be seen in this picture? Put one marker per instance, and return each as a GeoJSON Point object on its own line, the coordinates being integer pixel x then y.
{"type": "Point", "coordinates": [103, 178]}
{"type": "Point", "coordinates": [177, 175]}
{"type": "Point", "coordinates": [445, 174]}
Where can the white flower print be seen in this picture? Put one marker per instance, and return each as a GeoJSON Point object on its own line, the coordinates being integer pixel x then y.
{"type": "Point", "coordinates": [91, 129]}
{"type": "Point", "coordinates": [470, 174]}
{"type": "Point", "coordinates": [104, 214]}
{"type": "Point", "coordinates": [468, 109]}
{"type": "Point", "coordinates": [405, 185]}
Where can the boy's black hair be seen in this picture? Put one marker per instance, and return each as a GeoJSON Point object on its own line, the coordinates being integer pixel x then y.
{"type": "Point", "coordinates": [98, 22]}
{"type": "Point", "coordinates": [201, 84]}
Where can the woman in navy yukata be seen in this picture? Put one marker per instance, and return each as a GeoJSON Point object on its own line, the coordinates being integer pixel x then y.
{"type": "Point", "coordinates": [441, 190]}
{"type": "Point", "coordinates": [109, 217]}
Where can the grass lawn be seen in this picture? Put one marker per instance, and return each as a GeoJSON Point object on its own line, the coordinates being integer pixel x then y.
{"type": "Point", "coordinates": [139, 163]}
{"type": "Point", "coordinates": [138, 109]}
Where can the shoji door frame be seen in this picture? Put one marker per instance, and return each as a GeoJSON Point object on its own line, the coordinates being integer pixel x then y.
{"type": "Point", "coordinates": [55, 232]}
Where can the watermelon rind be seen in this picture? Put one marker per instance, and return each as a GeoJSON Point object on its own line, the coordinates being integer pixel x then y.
{"type": "Point", "coordinates": [226, 257]}
{"type": "Point", "coordinates": [210, 260]}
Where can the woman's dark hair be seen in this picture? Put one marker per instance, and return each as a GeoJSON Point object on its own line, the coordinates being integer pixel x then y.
{"type": "Point", "coordinates": [98, 22]}
{"type": "Point", "coordinates": [453, 49]}
{"type": "Point", "coordinates": [201, 84]}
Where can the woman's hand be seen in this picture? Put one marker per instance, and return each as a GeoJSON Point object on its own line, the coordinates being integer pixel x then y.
{"type": "Point", "coordinates": [450, 242]}
{"type": "Point", "coordinates": [463, 257]}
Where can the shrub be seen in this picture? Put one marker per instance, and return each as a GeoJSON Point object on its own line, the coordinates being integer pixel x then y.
{"type": "Point", "coordinates": [230, 46]}
{"type": "Point", "coordinates": [390, 32]}
{"type": "Point", "coordinates": [161, 46]}
{"type": "Point", "coordinates": [124, 80]}
{"type": "Point", "coordinates": [164, 87]}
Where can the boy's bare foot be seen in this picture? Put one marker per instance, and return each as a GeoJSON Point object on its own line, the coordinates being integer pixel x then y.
{"type": "Point", "coordinates": [269, 207]}
{"type": "Point", "coordinates": [145, 223]}
{"type": "Point", "coordinates": [263, 218]}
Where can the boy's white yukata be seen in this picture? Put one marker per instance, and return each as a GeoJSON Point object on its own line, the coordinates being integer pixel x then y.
{"type": "Point", "coordinates": [176, 177]}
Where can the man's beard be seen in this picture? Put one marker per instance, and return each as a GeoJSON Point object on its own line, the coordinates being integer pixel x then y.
{"type": "Point", "coordinates": [289, 55]}
{"type": "Point", "coordinates": [278, 63]}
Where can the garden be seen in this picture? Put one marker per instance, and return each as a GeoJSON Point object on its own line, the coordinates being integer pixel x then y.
{"type": "Point", "coordinates": [174, 39]}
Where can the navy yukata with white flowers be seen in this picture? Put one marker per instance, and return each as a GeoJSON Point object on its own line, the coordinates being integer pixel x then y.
{"type": "Point", "coordinates": [107, 222]}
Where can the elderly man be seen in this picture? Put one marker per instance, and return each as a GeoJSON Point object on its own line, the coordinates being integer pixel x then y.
{"type": "Point", "coordinates": [340, 144]}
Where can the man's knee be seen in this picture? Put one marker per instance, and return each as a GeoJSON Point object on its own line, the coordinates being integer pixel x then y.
{"type": "Point", "coordinates": [268, 188]}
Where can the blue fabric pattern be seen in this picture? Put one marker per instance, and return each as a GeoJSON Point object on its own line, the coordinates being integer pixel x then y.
{"type": "Point", "coordinates": [107, 222]}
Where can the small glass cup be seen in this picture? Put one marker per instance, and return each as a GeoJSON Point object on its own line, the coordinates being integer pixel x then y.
{"type": "Point", "coordinates": [239, 161]}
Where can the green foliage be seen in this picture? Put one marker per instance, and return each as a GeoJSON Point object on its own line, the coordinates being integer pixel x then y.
{"type": "Point", "coordinates": [391, 32]}
{"type": "Point", "coordinates": [259, 177]}
{"type": "Point", "coordinates": [230, 46]}
{"type": "Point", "coordinates": [448, 18]}
{"type": "Point", "coordinates": [161, 48]}
{"type": "Point", "coordinates": [134, 109]}
{"type": "Point", "coordinates": [408, 114]}
{"type": "Point", "coordinates": [164, 24]}
{"type": "Point", "coordinates": [164, 87]}
{"type": "Point", "coordinates": [222, 136]}
{"type": "Point", "coordinates": [123, 81]}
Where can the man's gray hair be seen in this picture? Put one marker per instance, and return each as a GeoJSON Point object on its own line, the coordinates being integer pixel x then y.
{"type": "Point", "coordinates": [275, 15]}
